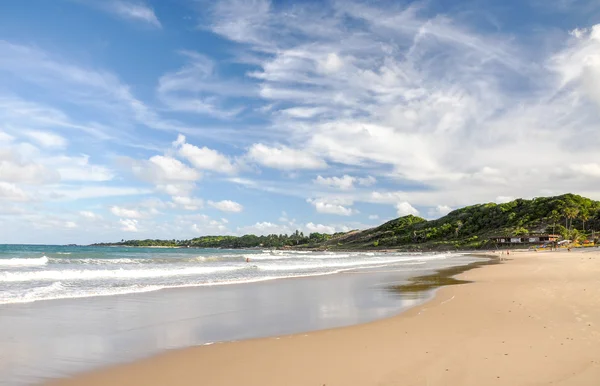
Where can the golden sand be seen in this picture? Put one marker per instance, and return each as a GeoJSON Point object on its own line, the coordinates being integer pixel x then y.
{"type": "Point", "coordinates": [532, 320]}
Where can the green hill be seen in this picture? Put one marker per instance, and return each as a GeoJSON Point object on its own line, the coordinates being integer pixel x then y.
{"type": "Point", "coordinates": [572, 216]}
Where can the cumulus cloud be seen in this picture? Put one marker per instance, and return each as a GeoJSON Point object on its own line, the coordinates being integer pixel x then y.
{"type": "Point", "coordinates": [264, 228]}
{"type": "Point", "coordinates": [283, 157]}
{"type": "Point", "coordinates": [226, 206]}
{"type": "Point", "coordinates": [188, 203]}
{"type": "Point", "coordinates": [168, 174]}
{"type": "Point", "coordinates": [204, 158]}
{"type": "Point", "coordinates": [88, 215]}
{"type": "Point", "coordinates": [320, 228]}
{"type": "Point", "coordinates": [11, 192]}
{"type": "Point", "coordinates": [125, 212]}
{"type": "Point", "coordinates": [405, 208]}
{"type": "Point", "coordinates": [332, 206]}
{"type": "Point", "coordinates": [78, 168]}
{"type": "Point", "coordinates": [439, 211]}
{"type": "Point", "coordinates": [368, 94]}
{"type": "Point", "coordinates": [345, 182]}
{"type": "Point", "coordinates": [129, 225]}
{"type": "Point", "coordinates": [14, 168]}
{"type": "Point", "coordinates": [5, 138]}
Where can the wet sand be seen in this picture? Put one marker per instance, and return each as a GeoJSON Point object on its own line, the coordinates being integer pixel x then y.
{"type": "Point", "coordinates": [532, 320]}
{"type": "Point", "coordinates": [59, 338]}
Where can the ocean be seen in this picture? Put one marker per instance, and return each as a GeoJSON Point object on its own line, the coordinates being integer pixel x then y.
{"type": "Point", "coordinates": [30, 273]}
{"type": "Point", "coordinates": [68, 309]}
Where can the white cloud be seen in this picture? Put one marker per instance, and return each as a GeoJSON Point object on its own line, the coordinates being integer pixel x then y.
{"type": "Point", "coordinates": [194, 88]}
{"type": "Point", "coordinates": [125, 212]}
{"type": "Point", "coordinates": [78, 169]}
{"type": "Point", "coordinates": [176, 189]}
{"type": "Point", "coordinates": [331, 64]}
{"type": "Point", "coordinates": [227, 206]}
{"type": "Point", "coordinates": [345, 182]}
{"type": "Point", "coordinates": [12, 192]}
{"type": "Point", "coordinates": [70, 225]}
{"type": "Point", "coordinates": [368, 94]}
{"type": "Point", "coordinates": [264, 228]}
{"type": "Point", "coordinates": [367, 181]}
{"type": "Point", "coordinates": [404, 209]}
{"type": "Point", "coordinates": [136, 11]}
{"type": "Point", "coordinates": [87, 192]}
{"type": "Point", "coordinates": [46, 138]}
{"type": "Point", "coordinates": [588, 169]}
{"type": "Point", "coordinates": [283, 157]}
{"type": "Point", "coordinates": [373, 217]}
{"type": "Point", "coordinates": [332, 206]}
{"type": "Point", "coordinates": [188, 203]}
{"type": "Point", "coordinates": [320, 228]}
{"type": "Point", "coordinates": [503, 199]}
{"type": "Point", "coordinates": [15, 169]}
{"type": "Point", "coordinates": [88, 215]}
{"type": "Point", "coordinates": [204, 158]}
{"type": "Point", "coordinates": [166, 172]}
{"type": "Point", "coordinates": [5, 138]}
{"type": "Point", "coordinates": [129, 225]}
{"type": "Point", "coordinates": [303, 112]}
{"type": "Point", "coordinates": [439, 211]}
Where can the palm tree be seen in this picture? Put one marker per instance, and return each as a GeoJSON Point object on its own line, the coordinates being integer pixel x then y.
{"type": "Point", "coordinates": [554, 216]}
{"type": "Point", "coordinates": [571, 213]}
{"type": "Point", "coordinates": [584, 216]}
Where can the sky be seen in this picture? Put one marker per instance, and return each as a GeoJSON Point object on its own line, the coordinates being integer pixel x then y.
{"type": "Point", "coordinates": [126, 119]}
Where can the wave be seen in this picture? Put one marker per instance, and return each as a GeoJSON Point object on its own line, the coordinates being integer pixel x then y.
{"type": "Point", "coordinates": [78, 275]}
{"type": "Point", "coordinates": [57, 290]}
{"type": "Point", "coordinates": [20, 262]}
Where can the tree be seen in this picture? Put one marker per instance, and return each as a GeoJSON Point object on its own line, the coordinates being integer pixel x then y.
{"type": "Point", "coordinates": [571, 212]}
{"type": "Point", "coordinates": [459, 224]}
{"type": "Point", "coordinates": [584, 216]}
{"type": "Point", "coordinates": [554, 216]}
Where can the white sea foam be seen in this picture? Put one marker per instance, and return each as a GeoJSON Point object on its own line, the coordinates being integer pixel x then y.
{"type": "Point", "coordinates": [56, 291]}
{"type": "Point", "coordinates": [94, 273]}
{"type": "Point", "coordinates": [16, 262]}
{"type": "Point", "coordinates": [75, 274]}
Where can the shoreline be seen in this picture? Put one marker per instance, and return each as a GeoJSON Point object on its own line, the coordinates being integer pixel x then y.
{"type": "Point", "coordinates": [66, 337]}
{"type": "Point", "coordinates": [489, 255]}
{"type": "Point", "coordinates": [505, 330]}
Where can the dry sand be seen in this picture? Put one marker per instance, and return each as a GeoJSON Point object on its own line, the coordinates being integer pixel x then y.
{"type": "Point", "coordinates": [533, 320]}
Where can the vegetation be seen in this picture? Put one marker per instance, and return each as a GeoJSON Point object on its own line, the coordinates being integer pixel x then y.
{"type": "Point", "coordinates": [471, 227]}
{"type": "Point", "coordinates": [247, 241]}
{"type": "Point", "coordinates": [466, 228]}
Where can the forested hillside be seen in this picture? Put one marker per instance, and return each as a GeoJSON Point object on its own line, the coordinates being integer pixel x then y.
{"type": "Point", "coordinates": [572, 216]}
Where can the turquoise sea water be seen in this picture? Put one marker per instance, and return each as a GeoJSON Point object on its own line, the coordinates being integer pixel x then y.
{"type": "Point", "coordinates": [31, 273]}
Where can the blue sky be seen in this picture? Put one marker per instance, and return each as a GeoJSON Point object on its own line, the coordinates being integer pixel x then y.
{"type": "Point", "coordinates": [175, 119]}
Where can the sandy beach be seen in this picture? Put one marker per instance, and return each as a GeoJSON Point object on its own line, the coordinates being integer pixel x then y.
{"type": "Point", "coordinates": [532, 320]}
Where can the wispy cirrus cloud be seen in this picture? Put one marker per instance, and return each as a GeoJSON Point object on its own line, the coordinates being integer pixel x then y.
{"type": "Point", "coordinates": [132, 10]}
{"type": "Point", "coordinates": [419, 96]}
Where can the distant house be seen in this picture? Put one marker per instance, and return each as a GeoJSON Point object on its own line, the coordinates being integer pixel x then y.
{"type": "Point", "coordinates": [524, 239]}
